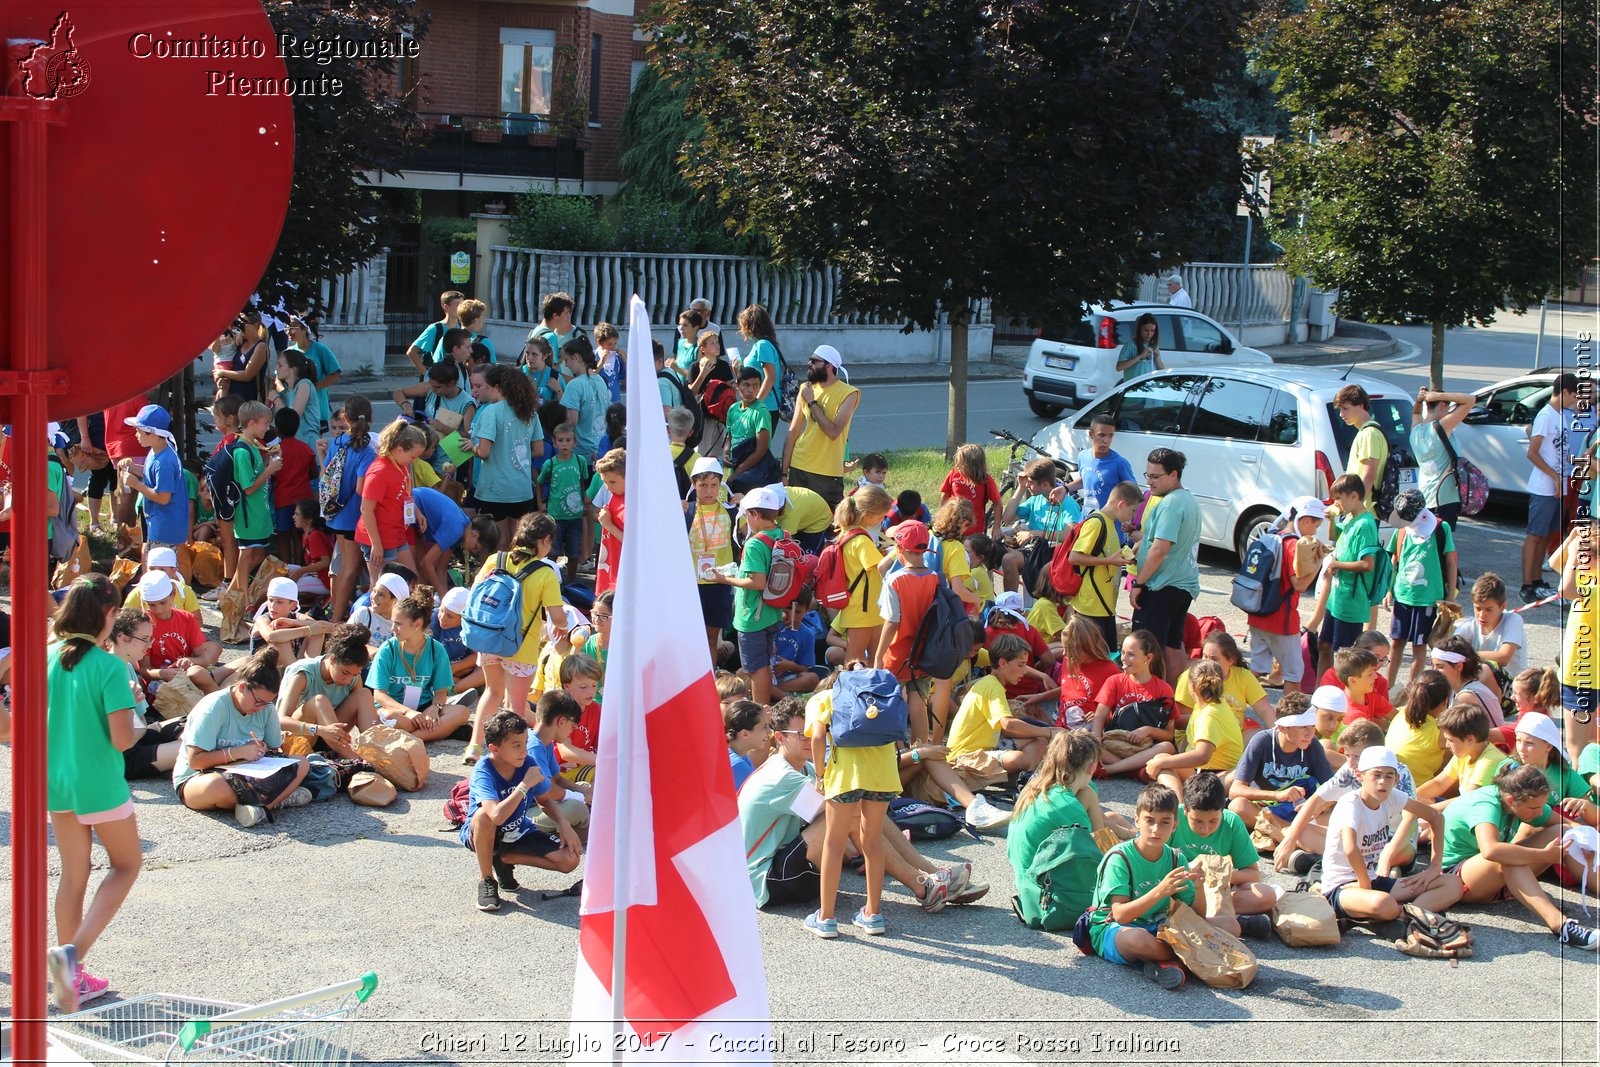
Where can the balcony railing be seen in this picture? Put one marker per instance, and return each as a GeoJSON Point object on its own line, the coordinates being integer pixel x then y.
{"type": "Point", "coordinates": [499, 144]}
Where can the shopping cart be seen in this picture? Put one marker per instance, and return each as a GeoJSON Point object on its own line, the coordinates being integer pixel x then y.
{"type": "Point", "coordinates": [311, 1028]}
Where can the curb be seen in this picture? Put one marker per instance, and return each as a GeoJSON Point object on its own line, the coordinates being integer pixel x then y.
{"type": "Point", "coordinates": [1364, 354]}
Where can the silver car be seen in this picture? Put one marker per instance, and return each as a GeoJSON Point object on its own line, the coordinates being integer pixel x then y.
{"type": "Point", "coordinates": [1494, 435]}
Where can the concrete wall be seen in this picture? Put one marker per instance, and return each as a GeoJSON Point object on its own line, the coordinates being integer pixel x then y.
{"type": "Point", "coordinates": [357, 346]}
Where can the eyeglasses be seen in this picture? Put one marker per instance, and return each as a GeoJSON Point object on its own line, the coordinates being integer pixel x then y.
{"type": "Point", "coordinates": [598, 617]}
{"type": "Point", "coordinates": [791, 733]}
{"type": "Point", "coordinates": [145, 640]}
{"type": "Point", "coordinates": [262, 701]}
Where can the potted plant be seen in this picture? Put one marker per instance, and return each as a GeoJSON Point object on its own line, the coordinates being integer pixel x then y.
{"type": "Point", "coordinates": [489, 131]}
{"type": "Point", "coordinates": [495, 207]}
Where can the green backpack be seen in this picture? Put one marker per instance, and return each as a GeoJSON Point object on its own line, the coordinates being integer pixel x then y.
{"type": "Point", "coordinates": [1058, 883]}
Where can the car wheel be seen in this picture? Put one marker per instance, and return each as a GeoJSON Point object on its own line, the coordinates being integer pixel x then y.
{"type": "Point", "coordinates": [1252, 526]}
{"type": "Point", "coordinates": [1043, 410]}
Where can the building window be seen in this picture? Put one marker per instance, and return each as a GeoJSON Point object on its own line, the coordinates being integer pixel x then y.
{"type": "Point", "coordinates": [526, 59]}
{"type": "Point", "coordinates": [633, 75]}
{"type": "Point", "coordinates": [594, 79]}
{"type": "Point", "coordinates": [406, 70]}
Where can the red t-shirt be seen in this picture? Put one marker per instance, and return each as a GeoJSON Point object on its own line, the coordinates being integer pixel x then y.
{"type": "Point", "coordinates": [314, 544]}
{"type": "Point", "coordinates": [1121, 689]}
{"type": "Point", "coordinates": [1286, 620]}
{"type": "Point", "coordinates": [292, 483]}
{"type": "Point", "coordinates": [979, 496]}
{"type": "Point", "coordinates": [1080, 691]}
{"type": "Point", "coordinates": [122, 441]}
{"type": "Point", "coordinates": [389, 485]}
{"type": "Point", "coordinates": [605, 575]}
{"type": "Point", "coordinates": [1378, 705]}
{"type": "Point", "coordinates": [913, 593]}
{"type": "Point", "coordinates": [1037, 649]}
{"type": "Point", "coordinates": [174, 638]}
{"type": "Point", "coordinates": [586, 735]}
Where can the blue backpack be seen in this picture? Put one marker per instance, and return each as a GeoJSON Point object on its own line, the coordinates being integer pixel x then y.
{"type": "Point", "coordinates": [492, 621]}
{"type": "Point", "coordinates": [1258, 587]}
{"type": "Point", "coordinates": [923, 821]}
{"type": "Point", "coordinates": [869, 709]}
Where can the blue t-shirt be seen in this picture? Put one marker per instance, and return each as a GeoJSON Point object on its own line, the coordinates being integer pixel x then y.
{"type": "Point", "coordinates": [1266, 765]}
{"type": "Point", "coordinates": [1099, 475]}
{"type": "Point", "coordinates": [613, 372]}
{"type": "Point", "coordinates": [393, 670]}
{"type": "Point", "coordinates": [799, 645]}
{"type": "Point", "coordinates": [742, 767]}
{"type": "Point", "coordinates": [588, 396]}
{"type": "Point", "coordinates": [506, 477]}
{"type": "Point", "coordinates": [355, 468]}
{"type": "Point", "coordinates": [488, 787]}
{"type": "Point", "coordinates": [445, 520]}
{"type": "Point", "coordinates": [169, 522]}
{"type": "Point", "coordinates": [762, 352]}
{"type": "Point", "coordinates": [450, 638]}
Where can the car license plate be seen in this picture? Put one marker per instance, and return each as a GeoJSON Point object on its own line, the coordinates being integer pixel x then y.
{"type": "Point", "coordinates": [1408, 478]}
{"type": "Point", "coordinates": [1061, 362]}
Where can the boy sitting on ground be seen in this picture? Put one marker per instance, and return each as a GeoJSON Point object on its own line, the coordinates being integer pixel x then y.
{"type": "Point", "coordinates": [1279, 769]}
{"type": "Point", "coordinates": [1207, 828]}
{"type": "Point", "coordinates": [1330, 704]}
{"type": "Point", "coordinates": [498, 829]}
{"type": "Point", "coordinates": [1303, 841]}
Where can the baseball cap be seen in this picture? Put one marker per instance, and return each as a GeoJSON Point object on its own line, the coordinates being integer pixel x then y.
{"type": "Point", "coordinates": [1309, 506]}
{"type": "Point", "coordinates": [829, 355]}
{"type": "Point", "coordinates": [1375, 756]}
{"type": "Point", "coordinates": [1305, 718]}
{"type": "Point", "coordinates": [763, 496]}
{"type": "Point", "coordinates": [456, 599]}
{"type": "Point", "coordinates": [912, 536]}
{"type": "Point", "coordinates": [152, 419]}
{"type": "Point", "coordinates": [1538, 724]}
{"type": "Point", "coordinates": [162, 556]}
{"type": "Point", "coordinates": [283, 588]}
{"type": "Point", "coordinates": [154, 585]}
{"type": "Point", "coordinates": [1010, 602]}
{"type": "Point", "coordinates": [1330, 698]}
{"type": "Point", "coordinates": [395, 584]}
{"type": "Point", "coordinates": [705, 465]}
{"type": "Point", "coordinates": [1407, 506]}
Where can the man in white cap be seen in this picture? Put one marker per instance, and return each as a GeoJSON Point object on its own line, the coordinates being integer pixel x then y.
{"type": "Point", "coordinates": [819, 433]}
{"type": "Point", "coordinates": [164, 559]}
{"type": "Point", "coordinates": [166, 494]}
{"type": "Point", "coordinates": [177, 645]}
{"type": "Point", "coordinates": [1275, 635]}
{"type": "Point", "coordinates": [1177, 295]}
{"type": "Point", "coordinates": [1279, 769]}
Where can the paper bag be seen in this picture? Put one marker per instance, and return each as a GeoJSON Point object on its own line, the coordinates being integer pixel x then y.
{"type": "Point", "coordinates": [175, 699]}
{"type": "Point", "coordinates": [452, 488]}
{"type": "Point", "coordinates": [1215, 884]}
{"type": "Point", "coordinates": [74, 566]}
{"type": "Point", "coordinates": [185, 563]}
{"type": "Point", "coordinates": [123, 571]}
{"type": "Point", "coordinates": [1115, 743]}
{"type": "Point", "coordinates": [1305, 920]}
{"type": "Point", "coordinates": [1106, 838]}
{"type": "Point", "coordinates": [1268, 831]}
{"type": "Point", "coordinates": [271, 567]}
{"type": "Point", "coordinates": [371, 790]}
{"type": "Point", "coordinates": [395, 754]}
{"type": "Point", "coordinates": [235, 628]}
{"type": "Point", "coordinates": [130, 538]}
{"type": "Point", "coordinates": [1214, 956]}
{"type": "Point", "coordinates": [207, 564]}
{"type": "Point", "coordinates": [1444, 622]}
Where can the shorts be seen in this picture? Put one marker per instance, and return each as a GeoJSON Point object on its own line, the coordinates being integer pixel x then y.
{"type": "Point", "coordinates": [1266, 646]}
{"type": "Point", "coordinates": [569, 541]}
{"type": "Point", "coordinates": [756, 650]}
{"type": "Point", "coordinates": [1338, 633]}
{"type": "Point", "coordinates": [116, 814]}
{"type": "Point", "coordinates": [505, 511]}
{"type": "Point", "coordinates": [1503, 894]}
{"type": "Point", "coordinates": [1162, 611]}
{"type": "Point", "coordinates": [101, 480]}
{"type": "Point", "coordinates": [1411, 624]}
{"type": "Point", "coordinates": [829, 488]}
{"type": "Point", "coordinates": [1544, 516]}
{"type": "Point", "coordinates": [811, 543]}
{"type": "Point", "coordinates": [1382, 885]}
{"type": "Point", "coordinates": [856, 796]}
{"type": "Point", "coordinates": [1107, 625]}
{"type": "Point", "coordinates": [530, 843]}
{"type": "Point", "coordinates": [716, 605]}
{"type": "Point", "coordinates": [389, 554]}
{"type": "Point", "coordinates": [791, 878]}
{"type": "Point", "coordinates": [243, 543]}
{"type": "Point", "coordinates": [1580, 703]}
{"type": "Point", "coordinates": [140, 760]}
{"type": "Point", "coordinates": [283, 518]}
{"type": "Point", "coordinates": [1108, 943]}
{"type": "Point", "coordinates": [514, 667]}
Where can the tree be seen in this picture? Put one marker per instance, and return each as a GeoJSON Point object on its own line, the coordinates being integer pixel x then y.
{"type": "Point", "coordinates": [1445, 160]}
{"type": "Point", "coordinates": [1039, 155]}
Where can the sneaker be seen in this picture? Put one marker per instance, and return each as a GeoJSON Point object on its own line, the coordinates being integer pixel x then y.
{"type": "Point", "coordinates": [823, 928]}
{"type": "Point", "coordinates": [1302, 861]}
{"type": "Point", "coordinates": [1255, 927]}
{"type": "Point", "coordinates": [974, 891]}
{"type": "Point", "coordinates": [472, 754]}
{"type": "Point", "coordinates": [488, 895]}
{"type": "Point", "coordinates": [1165, 975]}
{"type": "Point", "coordinates": [959, 877]}
{"type": "Point", "coordinates": [1575, 935]}
{"type": "Point", "coordinates": [89, 987]}
{"type": "Point", "coordinates": [506, 875]}
{"type": "Point", "coordinates": [298, 799]}
{"type": "Point", "coordinates": [935, 892]}
{"type": "Point", "coordinates": [982, 815]}
{"type": "Point", "coordinates": [250, 814]}
{"type": "Point", "coordinates": [871, 925]}
{"type": "Point", "coordinates": [62, 962]}
{"type": "Point", "coordinates": [210, 595]}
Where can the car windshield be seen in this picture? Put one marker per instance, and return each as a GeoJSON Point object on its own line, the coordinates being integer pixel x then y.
{"type": "Point", "coordinates": [1393, 418]}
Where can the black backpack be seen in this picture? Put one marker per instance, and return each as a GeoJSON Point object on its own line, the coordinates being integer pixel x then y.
{"type": "Point", "coordinates": [1388, 490]}
{"type": "Point", "coordinates": [687, 399]}
{"type": "Point", "coordinates": [226, 492]}
{"type": "Point", "coordinates": [944, 637]}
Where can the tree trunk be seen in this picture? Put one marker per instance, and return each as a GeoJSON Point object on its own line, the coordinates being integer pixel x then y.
{"type": "Point", "coordinates": [956, 425]}
{"type": "Point", "coordinates": [1436, 365]}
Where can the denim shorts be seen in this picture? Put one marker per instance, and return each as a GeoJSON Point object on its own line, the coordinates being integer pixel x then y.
{"type": "Point", "coordinates": [1382, 885]}
{"type": "Point", "coordinates": [1580, 703]}
{"type": "Point", "coordinates": [1544, 515]}
{"type": "Point", "coordinates": [756, 650]}
{"type": "Point", "coordinates": [389, 554]}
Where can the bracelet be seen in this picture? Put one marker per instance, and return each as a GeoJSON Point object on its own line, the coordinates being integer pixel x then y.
{"type": "Point", "coordinates": [520, 788]}
{"type": "Point", "coordinates": [229, 753]}
{"type": "Point", "coordinates": [916, 757]}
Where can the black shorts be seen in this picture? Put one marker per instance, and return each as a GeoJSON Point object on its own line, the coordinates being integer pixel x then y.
{"type": "Point", "coordinates": [1162, 612]}
{"type": "Point", "coordinates": [257, 542]}
{"type": "Point", "coordinates": [533, 843]}
{"type": "Point", "coordinates": [716, 605]}
{"type": "Point", "coordinates": [792, 879]}
{"type": "Point", "coordinates": [140, 760]}
{"type": "Point", "coordinates": [1107, 625]}
{"type": "Point", "coordinates": [499, 510]}
{"type": "Point", "coordinates": [101, 481]}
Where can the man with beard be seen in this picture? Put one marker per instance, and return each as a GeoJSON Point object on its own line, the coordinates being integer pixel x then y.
{"type": "Point", "coordinates": [814, 449]}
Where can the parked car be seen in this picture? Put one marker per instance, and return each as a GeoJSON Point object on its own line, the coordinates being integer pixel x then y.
{"type": "Point", "coordinates": [1253, 440]}
{"type": "Point", "coordinates": [1495, 434]}
{"type": "Point", "coordinates": [1081, 367]}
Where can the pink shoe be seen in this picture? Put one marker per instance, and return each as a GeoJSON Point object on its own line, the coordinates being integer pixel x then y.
{"type": "Point", "coordinates": [63, 965]}
{"type": "Point", "coordinates": [89, 987]}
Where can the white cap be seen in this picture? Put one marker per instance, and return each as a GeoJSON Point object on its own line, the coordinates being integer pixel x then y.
{"type": "Point", "coordinates": [455, 600]}
{"type": "Point", "coordinates": [1375, 756]}
{"type": "Point", "coordinates": [1305, 718]}
{"type": "Point", "coordinates": [283, 588]}
{"type": "Point", "coordinates": [1304, 506]}
{"type": "Point", "coordinates": [1010, 603]}
{"type": "Point", "coordinates": [763, 496]}
{"type": "Point", "coordinates": [1538, 724]}
{"type": "Point", "coordinates": [162, 556]}
{"type": "Point", "coordinates": [1330, 698]}
{"type": "Point", "coordinates": [829, 355]}
{"type": "Point", "coordinates": [705, 465]}
{"type": "Point", "coordinates": [395, 584]}
{"type": "Point", "coordinates": [58, 436]}
{"type": "Point", "coordinates": [154, 585]}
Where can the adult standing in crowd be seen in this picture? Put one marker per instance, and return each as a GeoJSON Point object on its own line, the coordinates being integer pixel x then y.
{"type": "Point", "coordinates": [813, 451]}
{"type": "Point", "coordinates": [1177, 295]}
{"type": "Point", "coordinates": [1549, 454]}
{"type": "Point", "coordinates": [1168, 579]}
{"type": "Point", "coordinates": [303, 337]}
{"type": "Point", "coordinates": [242, 372]}
{"type": "Point", "coordinates": [1370, 449]}
{"type": "Point", "coordinates": [702, 306]}
{"type": "Point", "coordinates": [1433, 423]}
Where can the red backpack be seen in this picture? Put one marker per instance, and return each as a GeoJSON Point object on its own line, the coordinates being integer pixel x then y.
{"type": "Point", "coordinates": [455, 806]}
{"type": "Point", "coordinates": [1064, 575]}
{"type": "Point", "coordinates": [717, 398]}
{"type": "Point", "coordinates": [788, 572]}
{"type": "Point", "coordinates": [833, 587]}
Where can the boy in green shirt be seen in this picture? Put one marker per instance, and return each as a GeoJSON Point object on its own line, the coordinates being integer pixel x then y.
{"type": "Point", "coordinates": [253, 471]}
{"type": "Point", "coordinates": [749, 433]}
{"type": "Point", "coordinates": [754, 620]}
{"type": "Point", "coordinates": [561, 481]}
{"type": "Point", "coordinates": [1350, 601]}
{"type": "Point", "coordinates": [1424, 551]}
{"type": "Point", "coordinates": [1207, 828]}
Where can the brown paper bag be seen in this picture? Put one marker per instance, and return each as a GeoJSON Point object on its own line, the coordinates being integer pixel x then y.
{"type": "Point", "coordinates": [185, 563]}
{"type": "Point", "coordinates": [176, 698]}
{"type": "Point", "coordinates": [1106, 838]}
{"type": "Point", "coordinates": [235, 617]}
{"type": "Point", "coordinates": [395, 754]}
{"type": "Point", "coordinates": [452, 488]}
{"type": "Point", "coordinates": [1115, 743]}
{"type": "Point", "coordinates": [371, 790]}
{"type": "Point", "coordinates": [130, 539]}
{"type": "Point", "coordinates": [74, 566]}
{"type": "Point", "coordinates": [123, 572]}
{"type": "Point", "coordinates": [271, 567]}
{"type": "Point", "coordinates": [1215, 883]}
{"type": "Point", "coordinates": [207, 564]}
{"type": "Point", "coordinates": [1214, 956]}
{"type": "Point", "coordinates": [1268, 831]}
{"type": "Point", "coordinates": [1305, 920]}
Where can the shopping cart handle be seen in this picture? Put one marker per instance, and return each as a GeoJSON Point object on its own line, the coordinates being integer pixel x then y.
{"type": "Point", "coordinates": [195, 1029]}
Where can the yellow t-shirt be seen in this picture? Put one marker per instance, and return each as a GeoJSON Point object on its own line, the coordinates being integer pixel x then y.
{"type": "Point", "coordinates": [1043, 616]}
{"type": "Point", "coordinates": [1476, 773]}
{"type": "Point", "coordinates": [875, 769]}
{"type": "Point", "coordinates": [184, 601]}
{"type": "Point", "coordinates": [806, 511]}
{"type": "Point", "coordinates": [424, 475]}
{"type": "Point", "coordinates": [976, 727]}
{"type": "Point", "coordinates": [1369, 445]}
{"type": "Point", "coordinates": [1580, 658]}
{"type": "Point", "coordinates": [1418, 748]}
{"type": "Point", "coordinates": [548, 676]}
{"type": "Point", "coordinates": [814, 451]}
{"type": "Point", "coordinates": [540, 590]}
{"type": "Point", "coordinates": [1240, 691]}
{"type": "Point", "coordinates": [1099, 583]}
{"type": "Point", "coordinates": [861, 557]}
{"type": "Point", "coordinates": [710, 539]}
{"type": "Point", "coordinates": [1218, 724]}
{"type": "Point", "coordinates": [957, 571]}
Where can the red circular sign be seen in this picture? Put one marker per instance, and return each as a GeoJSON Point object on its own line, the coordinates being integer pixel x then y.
{"type": "Point", "coordinates": [168, 182]}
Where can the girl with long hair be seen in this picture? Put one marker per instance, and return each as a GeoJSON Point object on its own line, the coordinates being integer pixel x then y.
{"type": "Point", "coordinates": [354, 452]}
{"type": "Point", "coordinates": [856, 517]}
{"type": "Point", "coordinates": [506, 444]}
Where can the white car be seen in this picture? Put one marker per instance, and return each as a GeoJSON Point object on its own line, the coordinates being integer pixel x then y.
{"type": "Point", "coordinates": [1254, 439]}
{"type": "Point", "coordinates": [1494, 436]}
{"type": "Point", "coordinates": [1081, 368]}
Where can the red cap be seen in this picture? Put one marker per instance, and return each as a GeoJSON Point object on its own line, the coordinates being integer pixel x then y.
{"type": "Point", "coordinates": [912, 536]}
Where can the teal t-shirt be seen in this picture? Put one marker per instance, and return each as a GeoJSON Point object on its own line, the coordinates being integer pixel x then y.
{"type": "Point", "coordinates": [1589, 758]}
{"type": "Point", "coordinates": [1038, 514]}
{"type": "Point", "coordinates": [563, 481]}
{"type": "Point", "coordinates": [1467, 813]}
{"type": "Point", "coordinates": [311, 671]}
{"type": "Point", "coordinates": [747, 422]}
{"type": "Point", "coordinates": [215, 723]}
{"type": "Point", "coordinates": [1034, 825]}
{"type": "Point", "coordinates": [252, 519]}
{"type": "Point", "coordinates": [506, 476]}
{"type": "Point", "coordinates": [589, 396]}
{"type": "Point", "coordinates": [394, 669]}
{"type": "Point", "coordinates": [1231, 838]}
{"type": "Point", "coordinates": [458, 403]}
{"type": "Point", "coordinates": [84, 774]}
{"type": "Point", "coordinates": [1436, 476]}
{"type": "Point", "coordinates": [685, 355]}
{"type": "Point", "coordinates": [1125, 873]}
{"type": "Point", "coordinates": [1177, 519]}
{"type": "Point", "coordinates": [751, 612]}
{"type": "Point", "coordinates": [763, 353]}
{"type": "Point", "coordinates": [1358, 538]}
{"type": "Point", "coordinates": [1419, 577]}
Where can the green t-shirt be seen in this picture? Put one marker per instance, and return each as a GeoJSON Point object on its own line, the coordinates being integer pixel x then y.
{"type": "Point", "coordinates": [55, 477]}
{"type": "Point", "coordinates": [84, 772]}
{"type": "Point", "coordinates": [1125, 873]}
{"type": "Point", "coordinates": [751, 612]}
{"type": "Point", "coordinates": [1176, 520]}
{"type": "Point", "coordinates": [1232, 838]}
{"type": "Point", "coordinates": [311, 671]}
{"type": "Point", "coordinates": [563, 480]}
{"type": "Point", "coordinates": [1566, 782]}
{"type": "Point", "coordinates": [1419, 577]}
{"type": "Point", "coordinates": [1358, 538]}
{"type": "Point", "coordinates": [1467, 813]}
{"type": "Point", "coordinates": [746, 422]}
{"type": "Point", "coordinates": [252, 519]}
{"type": "Point", "coordinates": [1589, 758]}
{"type": "Point", "coordinates": [592, 649]}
